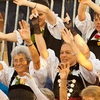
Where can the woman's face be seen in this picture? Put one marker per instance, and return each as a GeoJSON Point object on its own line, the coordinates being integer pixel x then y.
{"type": "Point", "coordinates": [41, 18]}
{"type": "Point", "coordinates": [20, 64]}
{"type": "Point", "coordinates": [97, 22]}
{"type": "Point", "coordinates": [88, 98]}
{"type": "Point", "coordinates": [66, 55]}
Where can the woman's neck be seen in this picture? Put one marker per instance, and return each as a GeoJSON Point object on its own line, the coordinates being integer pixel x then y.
{"type": "Point", "coordinates": [21, 74]}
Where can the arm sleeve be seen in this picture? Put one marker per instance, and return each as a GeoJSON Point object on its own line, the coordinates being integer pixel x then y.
{"type": "Point", "coordinates": [90, 76]}
{"type": "Point", "coordinates": [3, 96]}
{"type": "Point", "coordinates": [86, 26]}
{"type": "Point", "coordinates": [38, 93]}
{"type": "Point", "coordinates": [55, 29]}
{"type": "Point", "coordinates": [5, 74]}
{"type": "Point", "coordinates": [51, 64]}
{"type": "Point", "coordinates": [48, 69]}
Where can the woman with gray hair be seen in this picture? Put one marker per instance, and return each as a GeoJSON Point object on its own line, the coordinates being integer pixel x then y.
{"type": "Point", "coordinates": [14, 77]}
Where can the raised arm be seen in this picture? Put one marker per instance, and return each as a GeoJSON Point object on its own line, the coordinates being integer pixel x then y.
{"type": "Point", "coordinates": [64, 71]}
{"type": "Point", "coordinates": [41, 45]}
{"type": "Point", "coordinates": [68, 38]}
{"type": "Point", "coordinates": [8, 37]}
{"type": "Point", "coordinates": [81, 11]}
{"type": "Point", "coordinates": [48, 13]}
{"type": "Point", "coordinates": [81, 44]}
{"type": "Point", "coordinates": [92, 5]}
{"type": "Point", "coordinates": [25, 34]}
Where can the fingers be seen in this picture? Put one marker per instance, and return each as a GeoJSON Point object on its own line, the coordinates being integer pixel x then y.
{"type": "Point", "coordinates": [27, 74]}
{"type": "Point", "coordinates": [28, 26]}
{"type": "Point", "coordinates": [20, 24]}
{"type": "Point", "coordinates": [60, 67]}
{"type": "Point", "coordinates": [24, 25]}
{"type": "Point", "coordinates": [31, 16]}
{"type": "Point", "coordinates": [67, 65]}
{"type": "Point", "coordinates": [35, 14]}
{"type": "Point", "coordinates": [20, 31]}
{"type": "Point", "coordinates": [63, 66]}
{"type": "Point", "coordinates": [64, 32]}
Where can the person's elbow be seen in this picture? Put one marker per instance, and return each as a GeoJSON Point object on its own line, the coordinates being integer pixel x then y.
{"type": "Point", "coordinates": [88, 65]}
{"type": "Point", "coordinates": [81, 17]}
{"type": "Point", "coordinates": [44, 55]}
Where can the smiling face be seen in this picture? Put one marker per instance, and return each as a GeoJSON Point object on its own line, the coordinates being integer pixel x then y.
{"type": "Point", "coordinates": [66, 55]}
{"type": "Point", "coordinates": [97, 22]}
{"type": "Point", "coordinates": [20, 64]}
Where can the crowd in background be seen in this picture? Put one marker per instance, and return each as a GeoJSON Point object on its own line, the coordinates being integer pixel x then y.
{"type": "Point", "coordinates": [50, 49]}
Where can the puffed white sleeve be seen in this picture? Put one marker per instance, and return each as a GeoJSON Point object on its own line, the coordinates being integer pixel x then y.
{"type": "Point", "coordinates": [86, 25]}
{"type": "Point", "coordinates": [48, 68]}
{"type": "Point", "coordinates": [6, 73]}
{"type": "Point", "coordinates": [90, 76]}
{"type": "Point", "coordinates": [55, 28]}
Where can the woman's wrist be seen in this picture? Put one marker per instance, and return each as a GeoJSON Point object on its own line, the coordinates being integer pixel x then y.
{"type": "Point", "coordinates": [63, 83]}
{"type": "Point", "coordinates": [29, 43]}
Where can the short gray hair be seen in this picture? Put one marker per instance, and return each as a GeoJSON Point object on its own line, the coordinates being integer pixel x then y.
{"type": "Point", "coordinates": [21, 49]}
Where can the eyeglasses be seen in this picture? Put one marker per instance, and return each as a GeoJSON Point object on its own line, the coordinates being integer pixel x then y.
{"type": "Point", "coordinates": [20, 61]}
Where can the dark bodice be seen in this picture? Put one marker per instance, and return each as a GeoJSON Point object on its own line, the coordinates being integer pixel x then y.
{"type": "Point", "coordinates": [51, 42]}
{"type": "Point", "coordinates": [74, 83]}
{"type": "Point", "coordinates": [94, 45]}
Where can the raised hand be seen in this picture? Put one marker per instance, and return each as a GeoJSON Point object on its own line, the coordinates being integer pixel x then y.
{"type": "Point", "coordinates": [64, 70]}
{"type": "Point", "coordinates": [84, 1]}
{"type": "Point", "coordinates": [28, 75]}
{"type": "Point", "coordinates": [67, 18]}
{"type": "Point", "coordinates": [28, 78]}
{"type": "Point", "coordinates": [35, 22]}
{"type": "Point", "coordinates": [66, 35]}
{"type": "Point", "coordinates": [25, 30]}
{"type": "Point", "coordinates": [19, 2]}
{"type": "Point", "coordinates": [67, 22]}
